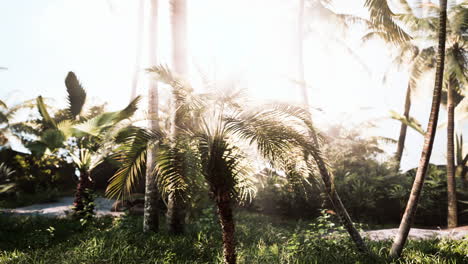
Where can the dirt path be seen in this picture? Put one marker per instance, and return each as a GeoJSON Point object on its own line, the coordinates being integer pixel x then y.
{"type": "Point", "coordinates": [418, 233]}
{"type": "Point", "coordinates": [103, 207]}
{"type": "Point", "coordinates": [62, 207]}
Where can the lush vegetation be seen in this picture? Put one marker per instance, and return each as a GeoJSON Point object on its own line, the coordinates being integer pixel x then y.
{"type": "Point", "coordinates": [261, 240]}
{"type": "Point", "coordinates": [239, 180]}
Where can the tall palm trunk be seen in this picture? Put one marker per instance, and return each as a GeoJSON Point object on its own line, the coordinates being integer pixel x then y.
{"type": "Point", "coordinates": [403, 128]}
{"type": "Point", "coordinates": [151, 211]}
{"type": "Point", "coordinates": [176, 203]}
{"type": "Point", "coordinates": [139, 37]}
{"type": "Point", "coordinates": [226, 219]}
{"type": "Point", "coordinates": [411, 207]}
{"type": "Point", "coordinates": [300, 54]}
{"type": "Point", "coordinates": [325, 174]}
{"type": "Point", "coordinates": [452, 216]}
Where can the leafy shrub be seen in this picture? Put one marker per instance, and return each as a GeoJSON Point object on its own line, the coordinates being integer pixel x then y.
{"type": "Point", "coordinates": [286, 196]}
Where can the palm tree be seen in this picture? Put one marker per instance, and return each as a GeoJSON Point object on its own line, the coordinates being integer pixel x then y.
{"type": "Point", "coordinates": [176, 202]}
{"type": "Point", "coordinates": [213, 131]}
{"type": "Point", "coordinates": [410, 210]}
{"type": "Point", "coordinates": [382, 25]}
{"type": "Point", "coordinates": [151, 211]}
{"type": "Point", "coordinates": [88, 135]}
{"type": "Point", "coordinates": [456, 79]}
{"type": "Point", "coordinates": [422, 60]}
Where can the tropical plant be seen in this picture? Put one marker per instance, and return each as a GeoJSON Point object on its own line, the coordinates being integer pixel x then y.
{"type": "Point", "coordinates": [86, 139]}
{"type": "Point", "coordinates": [6, 182]}
{"type": "Point", "coordinates": [410, 210]}
{"type": "Point", "coordinates": [21, 130]}
{"type": "Point", "coordinates": [216, 128]}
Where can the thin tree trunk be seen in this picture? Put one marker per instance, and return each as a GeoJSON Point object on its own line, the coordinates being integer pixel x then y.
{"type": "Point", "coordinates": [179, 36]}
{"type": "Point", "coordinates": [151, 211]}
{"type": "Point", "coordinates": [411, 207]}
{"type": "Point", "coordinates": [176, 205]}
{"type": "Point", "coordinates": [452, 216]}
{"type": "Point", "coordinates": [300, 55]}
{"type": "Point", "coordinates": [226, 219]}
{"type": "Point", "coordinates": [139, 37]}
{"type": "Point", "coordinates": [325, 174]}
{"type": "Point", "coordinates": [403, 128]}
{"type": "Point", "coordinates": [337, 204]}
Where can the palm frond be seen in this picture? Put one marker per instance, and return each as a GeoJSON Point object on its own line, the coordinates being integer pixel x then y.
{"type": "Point", "coordinates": [96, 125]}
{"type": "Point", "coordinates": [175, 169]}
{"type": "Point", "coordinates": [269, 136]}
{"type": "Point", "coordinates": [458, 15]}
{"type": "Point", "coordinates": [423, 62]}
{"type": "Point", "coordinates": [411, 122]}
{"type": "Point", "coordinates": [164, 74]}
{"type": "Point", "coordinates": [131, 155]}
{"type": "Point", "coordinates": [53, 138]}
{"type": "Point", "coordinates": [223, 167]}
{"type": "Point", "coordinates": [382, 19]}
{"type": "Point", "coordinates": [76, 95]}
{"type": "Point", "coordinates": [48, 121]}
{"type": "Point", "coordinates": [128, 111]}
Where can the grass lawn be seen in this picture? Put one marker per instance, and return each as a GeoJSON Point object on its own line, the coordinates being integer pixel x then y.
{"type": "Point", "coordinates": [261, 239]}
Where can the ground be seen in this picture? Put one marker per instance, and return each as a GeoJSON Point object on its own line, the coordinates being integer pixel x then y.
{"type": "Point", "coordinates": [103, 207]}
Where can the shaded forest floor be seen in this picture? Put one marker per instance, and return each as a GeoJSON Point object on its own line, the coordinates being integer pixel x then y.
{"type": "Point", "coordinates": [62, 207]}
{"type": "Point", "coordinates": [261, 239]}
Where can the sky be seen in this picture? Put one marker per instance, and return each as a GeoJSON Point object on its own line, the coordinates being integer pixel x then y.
{"type": "Point", "coordinates": [252, 40]}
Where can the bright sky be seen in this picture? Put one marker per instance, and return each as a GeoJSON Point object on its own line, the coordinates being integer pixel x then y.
{"type": "Point", "coordinates": [248, 39]}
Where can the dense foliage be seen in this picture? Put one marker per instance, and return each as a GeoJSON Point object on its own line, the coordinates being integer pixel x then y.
{"type": "Point", "coordinates": [261, 240]}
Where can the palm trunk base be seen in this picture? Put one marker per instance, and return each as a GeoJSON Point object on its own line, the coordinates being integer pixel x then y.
{"type": "Point", "coordinates": [82, 205]}
{"type": "Point", "coordinates": [176, 214]}
{"type": "Point", "coordinates": [226, 218]}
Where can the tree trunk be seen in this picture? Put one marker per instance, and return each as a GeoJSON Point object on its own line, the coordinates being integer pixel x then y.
{"type": "Point", "coordinates": [139, 37]}
{"type": "Point", "coordinates": [337, 204]}
{"type": "Point", "coordinates": [452, 216]}
{"type": "Point", "coordinates": [176, 213]}
{"type": "Point", "coordinates": [325, 174]}
{"type": "Point", "coordinates": [403, 128]}
{"type": "Point", "coordinates": [226, 219]}
{"type": "Point", "coordinates": [300, 55]}
{"type": "Point", "coordinates": [83, 198]}
{"type": "Point", "coordinates": [411, 207]}
{"type": "Point", "coordinates": [176, 205]}
{"type": "Point", "coordinates": [179, 36]}
{"type": "Point", "coordinates": [151, 211]}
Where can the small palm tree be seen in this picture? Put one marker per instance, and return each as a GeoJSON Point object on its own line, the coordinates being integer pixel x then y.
{"type": "Point", "coordinates": [214, 135]}
{"type": "Point", "coordinates": [86, 139]}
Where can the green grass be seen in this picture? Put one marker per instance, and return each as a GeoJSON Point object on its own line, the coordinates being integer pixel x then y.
{"type": "Point", "coordinates": [261, 239]}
